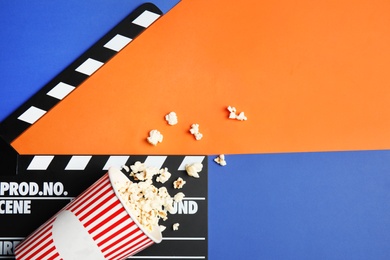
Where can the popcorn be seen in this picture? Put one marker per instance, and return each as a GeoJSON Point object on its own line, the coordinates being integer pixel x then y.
{"type": "Point", "coordinates": [148, 203]}
{"type": "Point", "coordinates": [233, 114]}
{"type": "Point", "coordinates": [194, 169]}
{"type": "Point", "coordinates": [194, 128]}
{"type": "Point", "coordinates": [195, 131]}
{"type": "Point", "coordinates": [179, 183]}
{"type": "Point", "coordinates": [141, 173]}
{"type": "Point", "coordinates": [198, 136]}
{"type": "Point", "coordinates": [150, 172]}
{"type": "Point", "coordinates": [163, 192]}
{"type": "Point", "coordinates": [232, 111]}
{"type": "Point", "coordinates": [137, 167]}
{"type": "Point", "coordinates": [178, 197]}
{"type": "Point", "coordinates": [168, 204]}
{"type": "Point", "coordinates": [155, 137]}
{"type": "Point", "coordinates": [126, 168]}
{"type": "Point", "coordinates": [162, 214]}
{"type": "Point", "coordinates": [142, 200]}
{"type": "Point", "coordinates": [175, 226]}
{"type": "Point", "coordinates": [164, 175]}
{"type": "Point", "coordinates": [220, 160]}
{"type": "Point", "coordinates": [241, 117]}
{"type": "Point", "coordinates": [171, 118]}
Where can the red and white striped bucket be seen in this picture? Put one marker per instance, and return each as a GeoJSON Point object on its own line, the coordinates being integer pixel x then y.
{"type": "Point", "coordinates": [95, 225]}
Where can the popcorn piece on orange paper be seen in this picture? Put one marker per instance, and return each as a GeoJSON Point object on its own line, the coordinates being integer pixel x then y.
{"type": "Point", "coordinates": [233, 114]}
{"type": "Point", "coordinates": [171, 118]}
{"type": "Point", "coordinates": [195, 131]}
{"type": "Point", "coordinates": [155, 137]}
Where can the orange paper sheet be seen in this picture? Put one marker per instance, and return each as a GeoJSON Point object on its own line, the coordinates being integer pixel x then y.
{"type": "Point", "coordinates": [309, 75]}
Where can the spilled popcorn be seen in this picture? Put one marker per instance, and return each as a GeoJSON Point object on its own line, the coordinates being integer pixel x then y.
{"type": "Point", "coordinates": [171, 118]}
{"type": "Point", "coordinates": [164, 175]}
{"type": "Point", "coordinates": [193, 169]}
{"type": "Point", "coordinates": [155, 137]}
{"type": "Point", "coordinates": [175, 226]}
{"type": "Point", "coordinates": [148, 203]}
{"type": "Point", "coordinates": [195, 131]}
{"type": "Point", "coordinates": [179, 197]}
{"type": "Point", "coordinates": [126, 168]}
{"type": "Point", "coordinates": [179, 183]}
{"type": "Point", "coordinates": [232, 111]}
{"type": "Point", "coordinates": [220, 160]}
{"type": "Point", "coordinates": [233, 114]}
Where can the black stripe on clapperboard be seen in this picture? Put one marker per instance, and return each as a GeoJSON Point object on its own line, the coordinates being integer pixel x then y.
{"type": "Point", "coordinates": [76, 73]}
{"type": "Point", "coordinates": [189, 242]}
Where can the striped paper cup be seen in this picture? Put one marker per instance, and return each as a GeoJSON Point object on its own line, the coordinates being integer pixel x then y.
{"type": "Point", "coordinates": [95, 225]}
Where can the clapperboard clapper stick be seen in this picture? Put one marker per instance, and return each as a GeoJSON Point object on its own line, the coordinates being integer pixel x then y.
{"type": "Point", "coordinates": [34, 188]}
{"type": "Point", "coordinates": [73, 76]}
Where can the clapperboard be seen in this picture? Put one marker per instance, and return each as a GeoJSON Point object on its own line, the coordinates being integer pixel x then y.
{"type": "Point", "coordinates": [33, 188]}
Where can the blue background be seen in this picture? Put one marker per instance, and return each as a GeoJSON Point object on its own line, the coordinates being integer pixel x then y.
{"type": "Point", "coordinates": [332, 205]}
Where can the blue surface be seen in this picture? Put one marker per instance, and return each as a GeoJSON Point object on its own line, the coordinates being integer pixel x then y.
{"type": "Point", "coordinates": [301, 206]}
{"type": "Point", "coordinates": [265, 206]}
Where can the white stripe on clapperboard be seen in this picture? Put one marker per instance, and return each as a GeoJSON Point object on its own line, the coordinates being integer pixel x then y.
{"type": "Point", "coordinates": [80, 162]}
{"type": "Point", "coordinates": [184, 238]}
{"type": "Point", "coordinates": [87, 67]}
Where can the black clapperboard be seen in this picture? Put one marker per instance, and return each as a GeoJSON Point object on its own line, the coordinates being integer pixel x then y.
{"type": "Point", "coordinates": [33, 188]}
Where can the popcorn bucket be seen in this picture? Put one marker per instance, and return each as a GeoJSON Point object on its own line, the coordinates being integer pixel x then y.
{"type": "Point", "coordinates": [95, 225]}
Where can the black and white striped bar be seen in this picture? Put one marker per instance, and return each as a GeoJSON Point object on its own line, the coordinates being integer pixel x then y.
{"type": "Point", "coordinates": [81, 162]}
{"type": "Point", "coordinates": [76, 73]}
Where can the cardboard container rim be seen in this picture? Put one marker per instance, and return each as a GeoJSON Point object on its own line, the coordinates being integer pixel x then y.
{"type": "Point", "coordinates": [156, 235]}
